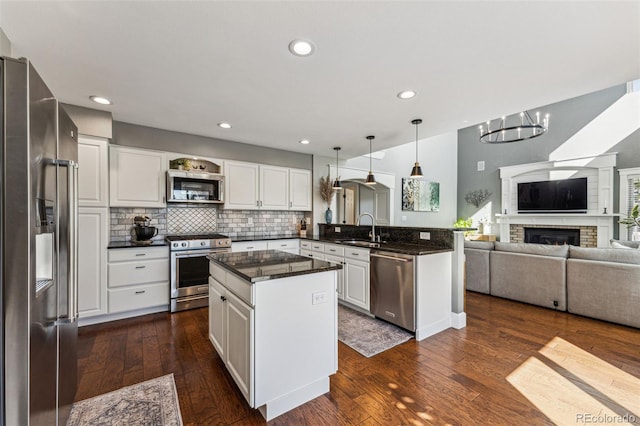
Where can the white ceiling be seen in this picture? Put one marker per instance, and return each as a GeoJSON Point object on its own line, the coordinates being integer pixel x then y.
{"type": "Point", "coordinates": [185, 66]}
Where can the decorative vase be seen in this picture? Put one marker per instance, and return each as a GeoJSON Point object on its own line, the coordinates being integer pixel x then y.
{"type": "Point", "coordinates": [328, 216]}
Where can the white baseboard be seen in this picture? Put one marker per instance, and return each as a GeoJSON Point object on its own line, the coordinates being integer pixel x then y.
{"type": "Point", "coordinates": [273, 409]}
{"type": "Point", "coordinates": [458, 321]}
{"type": "Point", "coordinates": [121, 315]}
{"type": "Point", "coordinates": [433, 328]}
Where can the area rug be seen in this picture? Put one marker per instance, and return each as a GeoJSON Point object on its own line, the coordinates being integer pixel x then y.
{"type": "Point", "coordinates": [367, 335]}
{"type": "Point", "coordinates": [154, 402]}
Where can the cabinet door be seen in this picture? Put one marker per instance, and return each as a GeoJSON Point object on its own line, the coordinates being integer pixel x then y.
{"type": "Point", "coordinates": [137, 177]}
{"type": "Point", "coordinates": [240, 344]}
{"type": "Point", "coordinates": [217, 317]}
{"type": "Point", "coordinates": [93, 172]}
{"type": "Point", "coordinates": [248, 246]}
{"type": "Point", "coordinates": [340, 261]}
{"type": "Point", "coordinates": [92, 261]}
{"type": "Point", "coordinates": [274, 188]}
{"type": "Point", "coordinates": [241, 185]}
{"type": "Point", "coordinates": [299, 190]}
{"type": "Point", "coordinates": [356, 283]}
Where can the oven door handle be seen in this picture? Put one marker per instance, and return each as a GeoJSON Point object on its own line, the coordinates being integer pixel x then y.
{"type": "Point", "coordinates": [196, 253]}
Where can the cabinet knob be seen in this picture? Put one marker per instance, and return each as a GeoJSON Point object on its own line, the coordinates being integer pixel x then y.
{"type": "Point", "coordinates": [224, 299]}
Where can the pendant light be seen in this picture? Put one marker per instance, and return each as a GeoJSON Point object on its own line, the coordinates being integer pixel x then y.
{"type": "Point", "coordinates": [416, 172]}
{"type": "Point", "coordinates": [371, 180]}
{"type": "Point", "coordinates": [337, 185]}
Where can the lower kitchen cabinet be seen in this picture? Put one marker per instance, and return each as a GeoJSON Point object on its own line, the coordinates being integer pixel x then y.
{"type": "Point", "coordinates": [340, 261]}
{"type": "Point", "coordinates": [356, 283]}
{"type": "Point", "coordinates": [92, 261]}
{"type": "Point", "coordinates": [138, 278]}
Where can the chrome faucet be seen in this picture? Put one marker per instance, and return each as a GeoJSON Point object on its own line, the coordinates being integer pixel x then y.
{"type": "Point", "coordinates": [372, 233]}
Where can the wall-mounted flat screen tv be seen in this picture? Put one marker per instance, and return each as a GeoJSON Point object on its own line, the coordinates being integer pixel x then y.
{"type": "Point", "coordinates": [553, 196]}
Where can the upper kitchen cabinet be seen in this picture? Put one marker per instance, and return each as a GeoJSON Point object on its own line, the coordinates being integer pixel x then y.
{"type": "Point", "coordinates": [250, 186]}
{"type": "Point", "coordinates": [92, 172]}
{"type": "Point", "coordinates": [137, 177]}
{"type": "Point", "coordinates": [300, 190]}
{"type": "Point", "coordinates": [241, 185]}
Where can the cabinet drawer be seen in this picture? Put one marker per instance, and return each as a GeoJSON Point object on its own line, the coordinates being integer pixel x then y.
{"type": "Point", "coordinates": [138, 297]}
{"type": "Point", "coordinates": [118, 255]}
{"type": "Point", "coordinates": [241, 288]}
{"type": "Point", "coordinates": [334, 250]}
{"type": "Point", "coordinates": [248, 246]}
{"type": "Point", "coordinates": [317, 246]}
{"type": "Point", "coordinates": [305, 244]}
{"type": "Point", "coordinates": [217, 272]}
{"type": "Point", "coordinates": [147, 271]}
{"type": "Point", "coordinates": [356, 253]}
{"type": "Point", "coordinates": [283, 244]}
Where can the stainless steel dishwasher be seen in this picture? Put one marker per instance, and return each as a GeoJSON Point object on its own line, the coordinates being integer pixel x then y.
{"type": "Point", "coordinates": [392, 288]}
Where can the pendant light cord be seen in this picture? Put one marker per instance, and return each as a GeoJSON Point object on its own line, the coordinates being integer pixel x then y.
{"type": "Point", "coordinates": [417, 142]}
{"type": "Point", "coordinates": [370, 154]}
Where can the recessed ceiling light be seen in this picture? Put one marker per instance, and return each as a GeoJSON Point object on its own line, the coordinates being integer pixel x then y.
{"type": "Point", "coordinates": [406, 94]}
{"type": "Point", "coordinates": [304, 141]}
{"type": "Point", "coordinates": [224, 125]}
{"type": "Point", "coordinates": [100, 100]}
{"type": "Point", "coordinates": [301, 47]}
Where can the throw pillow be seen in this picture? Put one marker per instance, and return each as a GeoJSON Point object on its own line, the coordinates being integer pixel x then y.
{"type": "Point", "coordinates": [617, 245]}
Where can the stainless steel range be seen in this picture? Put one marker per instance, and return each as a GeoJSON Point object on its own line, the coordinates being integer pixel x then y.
{"type": "Point", "coordinates": [190, 268]}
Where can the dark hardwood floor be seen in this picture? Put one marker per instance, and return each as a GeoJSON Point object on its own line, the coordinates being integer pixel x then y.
{"type": "Point", "coordinates": [513, 364]}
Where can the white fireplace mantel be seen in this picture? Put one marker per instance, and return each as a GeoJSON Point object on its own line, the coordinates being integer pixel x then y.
{"type": "Point", "coordinates": [599, 171]}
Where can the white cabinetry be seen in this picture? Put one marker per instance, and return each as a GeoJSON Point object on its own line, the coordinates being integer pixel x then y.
{"type": "Point", "coordinates": [291, 245]}
{"type": "Point", "coordinates": [92, 261]}
{"type": "Point", "coordinates": [137, 177]}
{"type": "Point", "coordinates": [93, 226]}
{"type": "Point", "coordinates": [250, 186]}
{"type": "Point", "coordinates": [356, 281]}
{"type": "Point", "coordinates": [138, 278]}
{"type": "Point", "coordinates": [271, 376]}
{"type": "Point", "coordinates": [248, 246]}
{"type": "Point", "coordinates": [300, 190]}
{"type": "Point", "coordinates": [92, 172]}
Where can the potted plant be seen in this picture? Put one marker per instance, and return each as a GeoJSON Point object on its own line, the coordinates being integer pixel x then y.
{"type": "Point", "coordinates": [464, 223]}
{"type": "Point", "coordinates": [633, 220]}
{"type": "Point", "coordinates": [326, 193]}
{"type": "Point", "coordinates": [180, 164]}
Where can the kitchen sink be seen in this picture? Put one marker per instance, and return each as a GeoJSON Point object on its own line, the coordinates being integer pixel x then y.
{"type": "Point", "coordinates": [360, 243]}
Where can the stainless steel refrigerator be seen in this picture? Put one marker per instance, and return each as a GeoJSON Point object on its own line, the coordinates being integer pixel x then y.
{"type": "Point", "coordinates": [38, 217]}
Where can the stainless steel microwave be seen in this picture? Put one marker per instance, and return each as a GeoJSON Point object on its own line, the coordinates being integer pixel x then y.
{"type": "Point", "coordinates": [194, 187]}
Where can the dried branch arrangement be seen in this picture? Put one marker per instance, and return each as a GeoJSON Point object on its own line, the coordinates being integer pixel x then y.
{"type": "Point", "coordinates": [477, 196]}
{"type": "Point", "coordinates": [326, 189]}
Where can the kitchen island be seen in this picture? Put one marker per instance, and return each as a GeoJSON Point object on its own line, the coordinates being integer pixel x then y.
{"type": "Point", "coordinates": [273, 319]}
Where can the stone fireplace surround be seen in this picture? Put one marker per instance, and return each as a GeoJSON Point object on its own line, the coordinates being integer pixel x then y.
{"type": "Point", "coordinates": [596, 226]}
{"type": "Point", "coordinates": [588, 234]}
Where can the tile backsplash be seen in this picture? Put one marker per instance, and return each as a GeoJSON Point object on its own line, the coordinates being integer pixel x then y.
{"type": "Point", "coordinates": [121, 222]}
{"type": "Point", "coordinates": [202, 220]}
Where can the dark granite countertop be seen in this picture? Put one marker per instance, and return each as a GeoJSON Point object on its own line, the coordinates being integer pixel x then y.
{"type": "Point", "coordinates": [263, 237]}
{"type": "Point", "coordinates": [129, 244]}
{"type": "Point", "coordinates": [262, 265]}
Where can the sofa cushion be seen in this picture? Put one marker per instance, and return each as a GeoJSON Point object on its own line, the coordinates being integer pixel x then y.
{"type": "Point", "coordinates": [529, 248]}
{"type": "Point", "coordinates": [624, 244]}
{"type": "Point", "coordinates": [484, 245]}
{"type": "Point", "coordinates": [605, 255]}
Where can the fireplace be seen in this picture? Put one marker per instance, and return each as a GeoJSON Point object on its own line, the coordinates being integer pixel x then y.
{"type": "Point", "coordinates": [553, 236]}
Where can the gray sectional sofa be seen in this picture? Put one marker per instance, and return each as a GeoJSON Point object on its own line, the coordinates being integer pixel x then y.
{"type": "Point", "coordinates": [600, 283]}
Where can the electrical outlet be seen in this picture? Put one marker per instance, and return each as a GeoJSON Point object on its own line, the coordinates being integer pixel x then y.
{"type": "Point", "coordinates": [404, 218]}
{"type": "Point", "coordinates": [425, 235]}
{"type": "Point", "coordinates": [320, 297]}
{"type": "Point", "coordinates": [481, 166]}
{"type": "Point", "coordinates": [337, 229]}
{"type": "Point", "coordinates": [250, 220]}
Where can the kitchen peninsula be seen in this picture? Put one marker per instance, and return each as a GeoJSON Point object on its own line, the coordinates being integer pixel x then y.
{"type": "Point", "coordinates": [273, 320]}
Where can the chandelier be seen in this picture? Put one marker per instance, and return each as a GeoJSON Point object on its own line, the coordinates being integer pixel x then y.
{"type": "Point", "coordinates": [503, 132]}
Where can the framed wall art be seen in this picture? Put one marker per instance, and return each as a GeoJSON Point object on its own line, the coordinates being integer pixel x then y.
{"type": "Point", "coordinates": [420, 196]}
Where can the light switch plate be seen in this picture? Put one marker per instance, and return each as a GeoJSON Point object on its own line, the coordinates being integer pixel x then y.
{"type": "Point", "coordinates": [481, 166]}
{"type": "Point", "coordinates": [425, 235]}
{"type": "Point", "coordinates": [404, 218]}
{"type": "Point", "coordinates": [337, 229]}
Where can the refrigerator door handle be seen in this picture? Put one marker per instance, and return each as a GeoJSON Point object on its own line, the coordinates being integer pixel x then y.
{"type": "Point", "coordinates": [72, 297]}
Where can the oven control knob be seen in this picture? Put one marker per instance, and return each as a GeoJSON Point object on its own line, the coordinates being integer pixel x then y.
{"type": "Point", "coordinates": [184, 244]}
{"type": "Point", "coordinates": [203, 243]}
{"type": "Point", "coordinates": [175, 244]}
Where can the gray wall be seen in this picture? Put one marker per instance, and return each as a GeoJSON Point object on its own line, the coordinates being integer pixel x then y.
{"type": "Point", "coordinates": [567, 117]}
{"type": "Point", "coordinates": [90, 121]}
{"type": "Point", "coordinates": [164, 140]}
{"type": "Point", "coordinates": [438, 158]}
{"type": "Point", "coordinates": [5, 44]}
